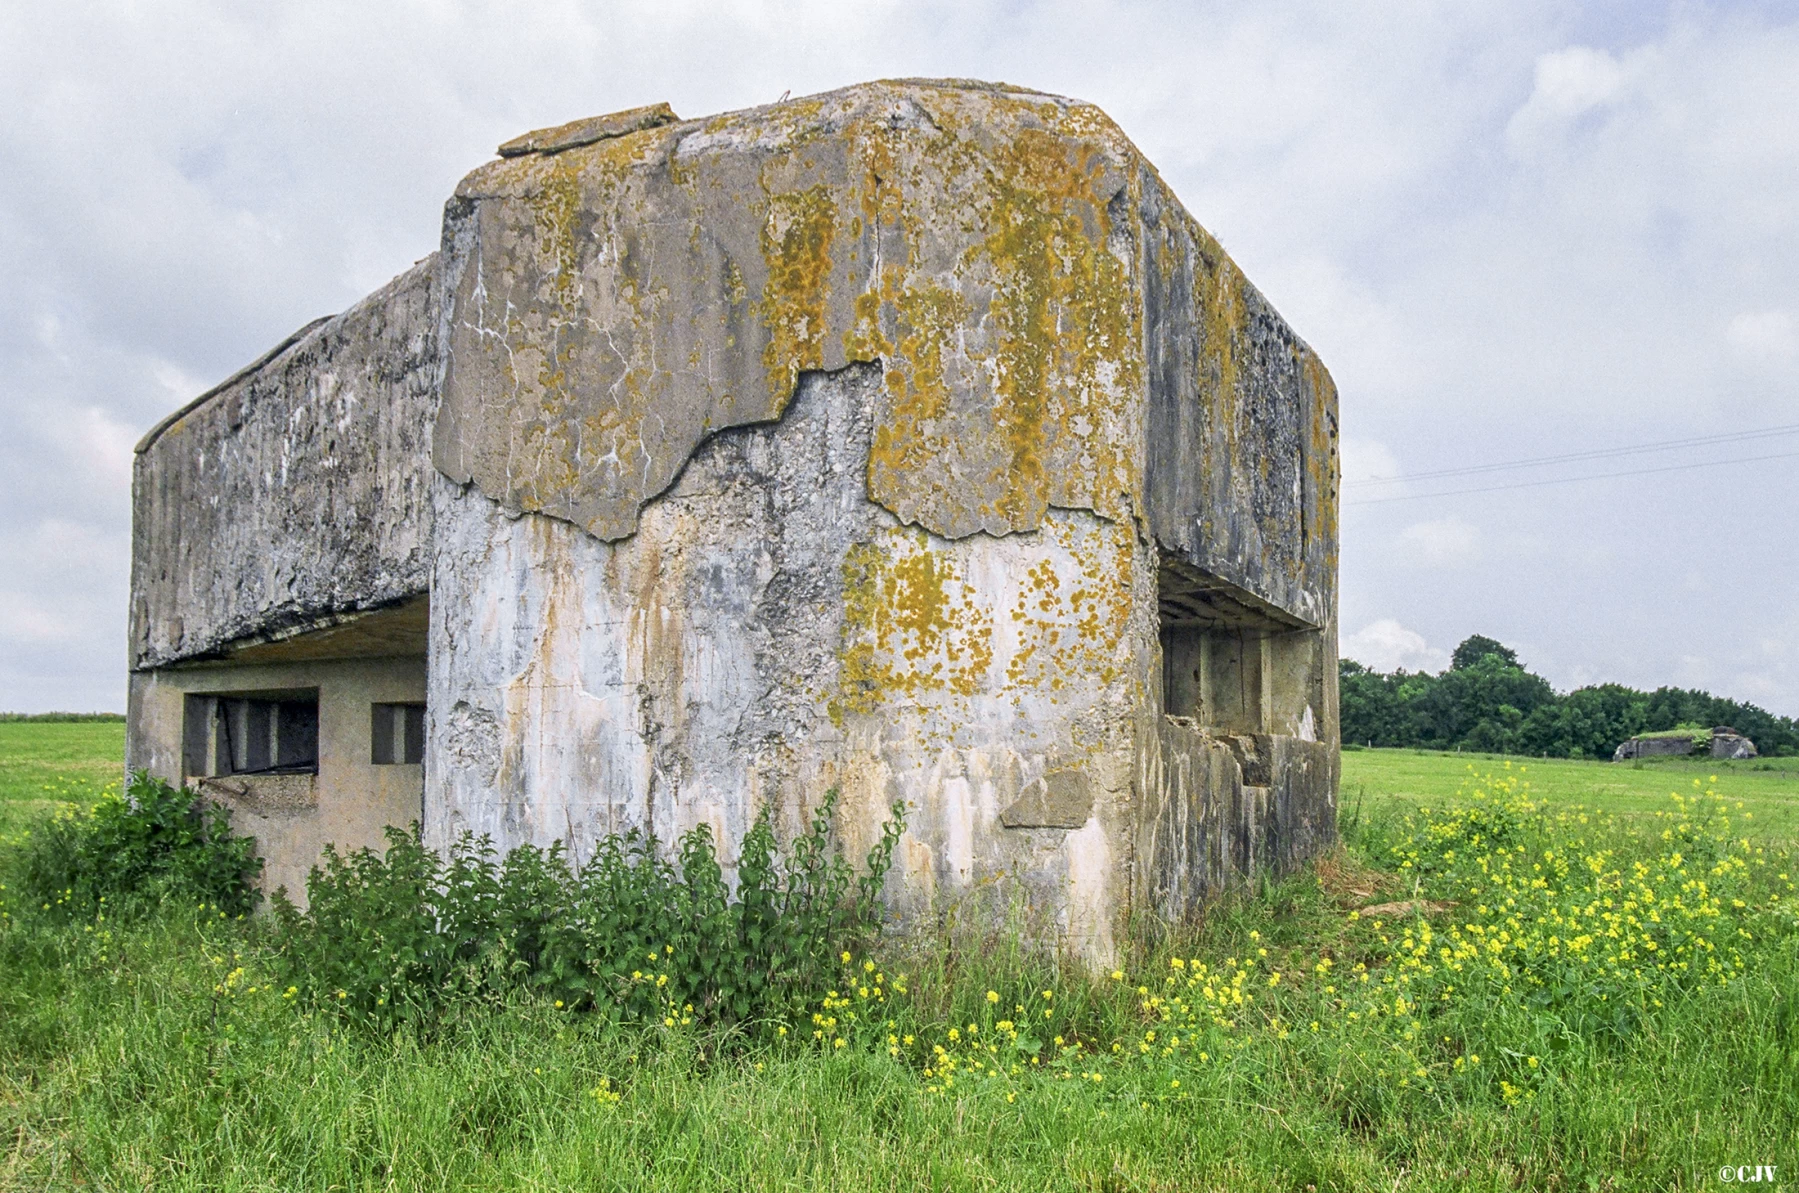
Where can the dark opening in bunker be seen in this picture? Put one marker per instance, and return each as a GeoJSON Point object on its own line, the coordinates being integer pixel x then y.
{"type": "Point", "coordinates": [251, 733]}
{"type": "Point", "coordinates": [1231, 662]}
{"type": "Point", "coordinates": [397, 734]}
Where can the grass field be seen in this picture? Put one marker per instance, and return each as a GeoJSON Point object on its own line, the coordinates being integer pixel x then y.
{"type": "Point", "coordinates": [46, 763]}
{"type": "Point", "coordinates": [1289, 1042]}
{"type": "Point", "coordinates": [1769, 788]}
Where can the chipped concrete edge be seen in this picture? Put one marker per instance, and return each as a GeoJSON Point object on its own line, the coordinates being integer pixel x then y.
{"type": "Point", "coordinates": [588, 130]}
{"type": "Point", "coordinates": [306, 331]}
{"type": "Point", "coordinates": [249, 370]}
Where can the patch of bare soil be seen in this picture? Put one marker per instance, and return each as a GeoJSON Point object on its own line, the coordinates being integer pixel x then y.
{"type": "Point", "coordinates": [1405, 907]}
{"type": "Point", "coordinates": [1348, 883]}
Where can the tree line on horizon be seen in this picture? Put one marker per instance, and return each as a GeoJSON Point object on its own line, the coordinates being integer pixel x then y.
{"type": "Point", "coordinates": [1488, 701]}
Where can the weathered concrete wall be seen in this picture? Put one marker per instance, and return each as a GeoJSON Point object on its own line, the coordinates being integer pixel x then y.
{"type": "Point", "coordinates": [1242, 468]}
{"type": "Point", "coordinates": [297, 491]}
{"type": "Point", "coordinates": [768, 633]}
{"type": "Point", "coordinates": [1715, 743]}
{"type": "Point", "coordinates": [1220, 808]}
{"type": "Point", "coordinates": [1056, 329]}
{"type": "Point", "coordinates": [1655, 747]}
{"type": "Point", "coordinates": [292, 817]}
{"type": "Point", "coordinates": [1731, 745]}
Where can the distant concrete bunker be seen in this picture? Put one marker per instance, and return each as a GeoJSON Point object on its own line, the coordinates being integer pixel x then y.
{"type": "Point", "coordinates": [909, 440]}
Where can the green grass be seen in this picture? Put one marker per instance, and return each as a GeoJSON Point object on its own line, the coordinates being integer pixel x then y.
{"type": "Point", "coordinates": [43, 763]}
{"type": "Point", "coordinates": [118, 1076]}
{"type": "Point", "coordinates": [165, 1053]}
{"type": "Point", "coordinates": [63, 717]}
{"type": "Point", "coordinates": [1768, 787]}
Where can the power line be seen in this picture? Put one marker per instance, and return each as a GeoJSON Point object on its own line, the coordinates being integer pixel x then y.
{"type": "Point", "coordinates": [1569, 480]}
{"type": "Point", "coordinates": [1595, 454]}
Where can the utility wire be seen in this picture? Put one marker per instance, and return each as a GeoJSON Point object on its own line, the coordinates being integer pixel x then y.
{"type": "Point", "coordinates": [1568, 480]}
{"type": "Point", "coordinates": [1596, 454]}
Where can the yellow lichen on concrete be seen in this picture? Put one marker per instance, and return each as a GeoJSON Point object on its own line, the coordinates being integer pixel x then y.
{"type": "Point", "coordinates": [1035, 410]}
{"type": "Point", "coordinates": [927, 621]}
{"type": "Point", "coordinates": [1219, 283]}
{"type": "Point", "coordinates": [1066, 358]}
{"type": "Point", "coordinates": [1218, 301]}
{"type": "Point", "coordinates": [555, 452]}
{"type": "Point", "coordinates": [797, 236]}
{"type": "Point", "coordinates": [912, 627]}
{"type": "Point", "coordinates": [1071, 624]}
{"type": "Point", "coordinates": [926, 317]}
{"type": "Point", "coordinates": [557, 207]}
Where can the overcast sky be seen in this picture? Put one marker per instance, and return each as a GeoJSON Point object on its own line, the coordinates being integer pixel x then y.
{"type": "Point", "coordinates": [1511, 229]}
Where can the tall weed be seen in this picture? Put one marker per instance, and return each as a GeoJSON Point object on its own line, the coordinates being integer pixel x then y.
{"type": "Point", "coordinates": [134, 852]}
{"type": "Point", "coordinates": [401, 937]}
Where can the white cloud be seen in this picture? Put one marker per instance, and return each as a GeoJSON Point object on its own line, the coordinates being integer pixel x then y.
{"type": "Point", "coordinates": [1569, 83]}
{"type": "Point", "coordinates": [62, 622]}
{"type": "Point", "coordinates": [1367, 460]}
{"type": "Point", "coordinates": [1353, 326]}
{"type": "Point", "coordinates": [35, 619]}
{"type": "Point", "coordinates": [1771, 336]}
{"type": "Point", "coordinates": [1442, 542]}
{"type": "Point", "coordinates": [96, 446]}
{"type": "Point", "coordinates": [1385, 645]}
{"type": "Point", "coordinates": [1752, 687]}
{"type": "Point", "coordinates": [177, 383]}
{"type": "Point", "coordinates": [1694, 671]}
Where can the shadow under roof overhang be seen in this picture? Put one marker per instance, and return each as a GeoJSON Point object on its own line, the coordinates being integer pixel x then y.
{"type": "Point", "coordinates": [1189, 596]}
{"type": "Point", "coordinates": [397, 630]}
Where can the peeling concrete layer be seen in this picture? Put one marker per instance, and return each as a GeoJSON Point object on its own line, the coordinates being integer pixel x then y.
{"type": "Point", "coordinates": [585, 132]}
{"type": "Point", "coordinates": [1055, 330]}
{"type": "Point", "coordinates": [298, 490]}
{"type": "Point", "coordinates": [614, 304]}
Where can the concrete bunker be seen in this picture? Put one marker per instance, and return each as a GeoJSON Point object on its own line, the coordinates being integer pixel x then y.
{"type": "Point", "coordinates": [909, 440]}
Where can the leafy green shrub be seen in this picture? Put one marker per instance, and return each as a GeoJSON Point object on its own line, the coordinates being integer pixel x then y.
{"type": "Point", "coordinates": [397, 938]}
{"type": "Point", "coordinates": [132, 852]}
